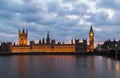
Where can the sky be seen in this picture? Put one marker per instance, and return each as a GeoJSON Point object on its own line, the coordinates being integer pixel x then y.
{"type": "Point", "coordinates": [64, 19]}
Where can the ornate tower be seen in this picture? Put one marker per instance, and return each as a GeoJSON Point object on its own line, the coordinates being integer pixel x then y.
{"type": "Point", "coordinates": [23, 37]}
{"type": "Point", "coordinates": [91, 40]}
{"type": "Point", "coordinates": [48, 39]}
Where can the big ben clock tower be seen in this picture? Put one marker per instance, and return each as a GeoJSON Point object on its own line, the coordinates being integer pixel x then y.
{"type": "Point", "coordinates": [91, 40]}
{"type": "Point", "coordinates": [23, 37]}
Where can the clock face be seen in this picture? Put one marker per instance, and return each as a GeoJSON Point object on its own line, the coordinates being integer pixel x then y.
{"type": "Point", "coordinates": [91, 34]}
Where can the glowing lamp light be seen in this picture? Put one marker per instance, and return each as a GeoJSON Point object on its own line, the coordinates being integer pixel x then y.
{"type": "Point", "coordinates": [116, 45]}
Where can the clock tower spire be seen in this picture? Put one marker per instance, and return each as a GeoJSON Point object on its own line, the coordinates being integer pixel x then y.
{"type": "Point", "coordinates": [91, 39]}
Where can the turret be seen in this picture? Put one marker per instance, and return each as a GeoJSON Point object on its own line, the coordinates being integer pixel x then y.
{"type": "Point", "coordinates": [43, 41]}
{"type": "Point", "coordinates": [71, 41]}
{"type": "Point", "coordinates": [48, 39]}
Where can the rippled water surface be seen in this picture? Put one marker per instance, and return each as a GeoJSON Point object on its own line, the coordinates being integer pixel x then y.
{"type": "Point", "coordinates": [58, 67]}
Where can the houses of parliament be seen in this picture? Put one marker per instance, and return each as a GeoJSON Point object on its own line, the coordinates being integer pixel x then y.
{"type": "Point", "coordinates": [47, 44]}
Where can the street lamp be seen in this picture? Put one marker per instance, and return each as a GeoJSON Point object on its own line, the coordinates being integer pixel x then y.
{"type": "Point", "coordinates": [116, 45]}
{"type": "Point", "coordinates": [108, 49]}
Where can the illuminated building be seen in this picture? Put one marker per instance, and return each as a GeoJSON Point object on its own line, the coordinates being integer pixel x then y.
{"type": "Point", "coordinates": [49, 45]}
{"type": "Point", "coordinates": [23, 37]}
{"type": "Point", "coordinates": [91, 39]}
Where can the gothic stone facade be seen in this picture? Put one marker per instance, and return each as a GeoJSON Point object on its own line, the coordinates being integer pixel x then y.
{"type": "Point", "coordinates": [48, 45]}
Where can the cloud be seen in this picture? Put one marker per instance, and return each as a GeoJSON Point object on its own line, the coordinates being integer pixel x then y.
{"type": "Point", "coordinates": [65, 19]}
{"type": "Point", "coordinates": [109, 4]}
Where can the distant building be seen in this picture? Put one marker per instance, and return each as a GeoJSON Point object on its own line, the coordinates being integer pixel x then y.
{"type": "Point", "coordinates": [109, 46]}
{"type": "Point", "coordinates": [48, 45]}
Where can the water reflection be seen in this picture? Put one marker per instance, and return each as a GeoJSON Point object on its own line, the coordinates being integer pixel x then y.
{"type": "Point", "coordinates": [59, 67]}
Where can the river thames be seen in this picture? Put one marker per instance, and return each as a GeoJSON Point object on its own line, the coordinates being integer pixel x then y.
{"type": "Point", "coordinates": [58, 66]}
